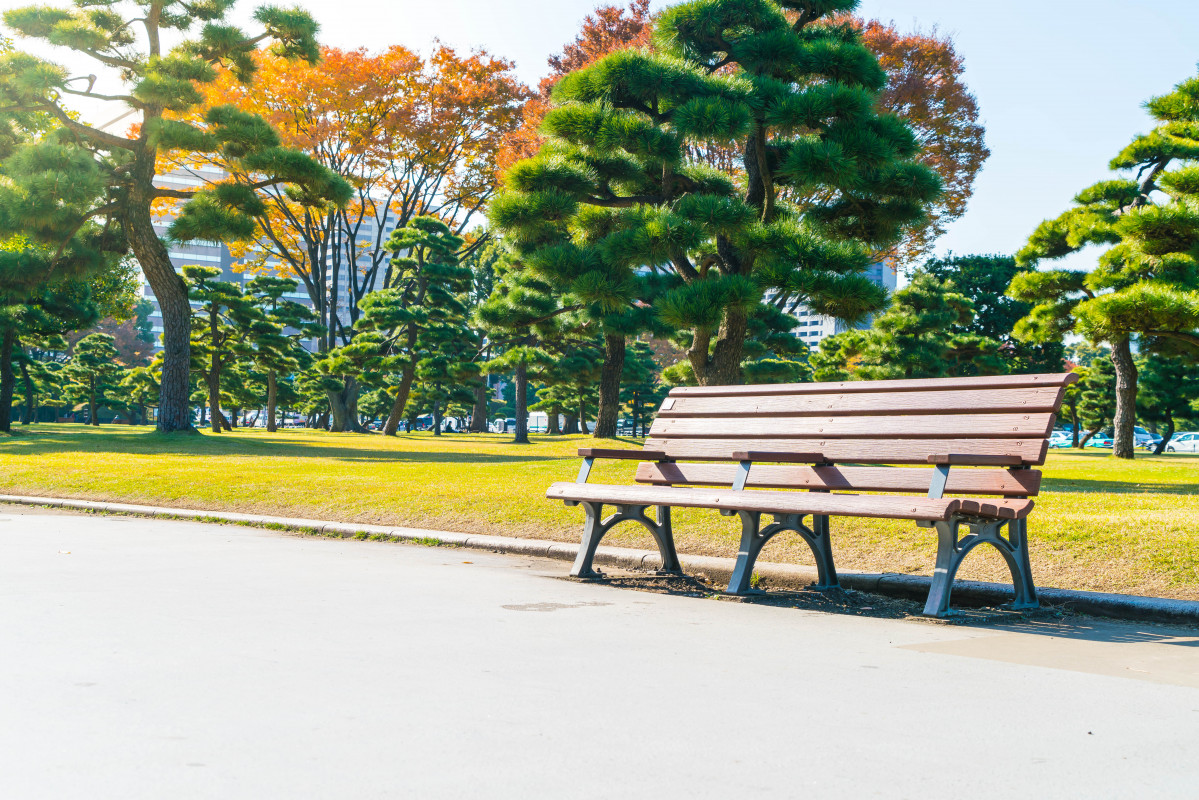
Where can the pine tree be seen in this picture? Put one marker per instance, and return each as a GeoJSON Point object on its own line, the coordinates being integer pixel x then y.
{"type": "Point", "coordinates": [613, 193]}
{"type": "Point", "coordinates": [1146, 283]}
{"type": "Point", "coordinates": [643, 389]}
{"type": "Point", "coordinates": [984, 281]}
{"type": "Point", "coordinates": [1166, 388]}
{"type": "Point", "coordinates": [275, 336]}
{"type": "Point", "coordinates": [913, 338]}
{"type": "Point", "coordinates": [110, 178]}
{"type": "Point", "coordinates": [221, 324]}
{"type": "Point", "coordinates": [1097, 398]}
{"type": "Point", "coordinates": [93, 375]}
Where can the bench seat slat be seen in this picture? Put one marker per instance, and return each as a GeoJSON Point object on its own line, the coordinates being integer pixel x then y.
{"type": "Point", "coordinates": [1003, 482]}
{"type": "Point", "coordinates": [979, 383]}
{"type": "Point", "coordinates": [864, 451]}
{"type": "Point", "coordinates": [844, 505]}
{"type": "Point", "coordinates": [1011, 426]}
{"type": "Point", "coordinates": [1040, 398]}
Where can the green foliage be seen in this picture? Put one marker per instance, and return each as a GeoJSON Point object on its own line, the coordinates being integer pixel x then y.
{"type": "Point", "coordinates": [917, 337]}
{"type": "Point", "coordinates": [93, 375]}
{"type": "Point", "coordinates": [614, 197]}
{"type": "Point", "coordinates": [1097, 396]}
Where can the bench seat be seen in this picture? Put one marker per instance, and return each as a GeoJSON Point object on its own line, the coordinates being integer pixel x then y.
{"type": "Point", "coordinates": [768, 502]}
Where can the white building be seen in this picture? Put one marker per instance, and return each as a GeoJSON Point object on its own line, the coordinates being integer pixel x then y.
{"type": "Point", "coordinates": [814, 328]}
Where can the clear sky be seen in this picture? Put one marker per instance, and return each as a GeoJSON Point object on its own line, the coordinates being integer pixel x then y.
{"type": "Point", "coordinates": [1060, 82]}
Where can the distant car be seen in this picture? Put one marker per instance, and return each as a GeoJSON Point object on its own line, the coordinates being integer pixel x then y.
{"type": "Point", "coordinates": [1145, 439]}
{"type": "Point", "coordinates": [1101, 440]}
{"type": "Point", "coordinates": [1061, 439]}
{"type": "Point", "coordinates": [1183, 443]}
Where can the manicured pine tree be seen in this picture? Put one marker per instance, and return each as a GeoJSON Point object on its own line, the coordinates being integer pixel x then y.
{"type": "Point", "coordinates": [913, 338]}
{"type": "Point", "coordinates": [276, 337]}
{"type": "Point", "coordinates": [110, 177]}
{"type": "Point", "coordinates": [984, 281]}
{"type": "Point", "coordinates": [1166, 387]}
{"type": "Point", "coordinates": [642, 389]}
{"type": "Point", "coordinates": [94, 375]}
{"type": "Point", "coordinates": [221, 324]}
{"type": "Point", "coordinates": [1146, 283]}
{"type": "Point", "coordinates": [140, 387]}
{"type": "Point", "coordinates": [1097, 398]}
{"type": "Point", "coordinates": [612, 192]}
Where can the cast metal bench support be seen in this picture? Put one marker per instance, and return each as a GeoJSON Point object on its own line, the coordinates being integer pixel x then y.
{"type": "Point", "coordinates": [951, 550]}
{"type": "Point", "coordinates": [754, 538]}
{"type": "Point", "coordinates": [594, 529]}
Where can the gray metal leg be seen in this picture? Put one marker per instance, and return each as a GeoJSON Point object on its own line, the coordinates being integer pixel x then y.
{"type": "Point", "coordinates": [952, 550]}
{"type": "Point", "coordinates": [754, 538]}
{"type": "Point", "coordinates": [594, 529]}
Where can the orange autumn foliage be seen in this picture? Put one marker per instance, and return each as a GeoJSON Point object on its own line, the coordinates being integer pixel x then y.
{"type": "Point", "coordinates": [606, 30]}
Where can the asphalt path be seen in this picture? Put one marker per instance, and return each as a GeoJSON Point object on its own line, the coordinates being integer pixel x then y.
{"type": "Point", "coordinates": [159, 659]}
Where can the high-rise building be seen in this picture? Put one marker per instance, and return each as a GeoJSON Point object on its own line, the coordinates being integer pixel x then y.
{"type": "Point", "coordinates": [814, 328]}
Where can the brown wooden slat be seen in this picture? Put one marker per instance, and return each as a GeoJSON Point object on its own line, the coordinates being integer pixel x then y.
{"type": "Point", "coordinates": [611, 452]}
{"type": "Point", "coordinates": [1001, 509]}
{"type": "Point", "coordinates": [970, 460]}
{"type": "Point", "coordinates": [1011, 483]}
{"type": "Point", "coordinates": [1023, 400]}
{"type": "Point", "coordinates": [842, 505]}
{"type": "Point", "coordinates": [862, 451]}
{"type": "Point", "coordinates": [987, 382]}
{"type": "Point", "coordinates": [1011, 426]}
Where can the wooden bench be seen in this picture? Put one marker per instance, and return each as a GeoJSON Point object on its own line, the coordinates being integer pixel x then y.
{"type": "Point", "coordinates": [850, 449]}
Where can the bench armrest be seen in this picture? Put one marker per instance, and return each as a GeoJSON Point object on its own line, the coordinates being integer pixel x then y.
{"type": "Point", "coordinates": [783, 458]}
{"type": "Point", "coordinates": [635, 455]}
{"type": "Point", "coordinates": [965, 460]}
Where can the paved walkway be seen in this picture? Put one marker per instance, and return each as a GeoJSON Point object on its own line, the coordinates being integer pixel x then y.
{"type": "Point", "coordinates": [158, 659]}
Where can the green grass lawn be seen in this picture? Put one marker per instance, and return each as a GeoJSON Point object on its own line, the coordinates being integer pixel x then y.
{"type": "Point", "coordinates": [1100, 524]}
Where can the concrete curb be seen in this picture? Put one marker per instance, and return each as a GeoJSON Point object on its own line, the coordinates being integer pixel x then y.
{"type": "Point", "coordinates": [793, 576]}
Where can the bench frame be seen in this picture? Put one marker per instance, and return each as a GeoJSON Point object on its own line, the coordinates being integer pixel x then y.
{"type": "Point", "coordinates": [952, 547]}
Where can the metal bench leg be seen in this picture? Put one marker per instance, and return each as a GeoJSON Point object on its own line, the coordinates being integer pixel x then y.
{"type": "Point", "coordinates": [951, 550]}
{"type": "Point", "coordinates": [751, 545]}
{"type": "Point", "coordinates": [594, 529]}
{"type": "Point", "coordinates": [754, 538]}
{"type": "Point", "coordinates": [664, 536]}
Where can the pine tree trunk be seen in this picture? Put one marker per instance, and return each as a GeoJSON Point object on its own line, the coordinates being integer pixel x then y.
{"type": "Point", "coordinates": [344, 407]}
{"type": "Point", "coordinates": [1087, 438]}
{"type": "Point", "coordinates": [1074, 419]}
{"type": "Point", "coordinates": [397, 408]}
{"type": "Point", "coordinates": [478, 415]}
{"type": "Point", "coordinates": [609, 388]}
{"type": "Point", "coordinates": [522, 404]}
{"type": "Point", "coordinates": [583, 413]}
{"type": "Point", "coordinates": [552, 427]}
{"type": "Point", "coordinates": [1126, 399]}
{"type": "Point", "coordinates": [272, 400]}
{"type": "Point", "coordinates": [723, 368]}
{"type": "Point", "coordinates": [233, 415]}
{"type": "Point", "coordinates": [174, 412]}
{"type": "Point", "coordinates": [30, 410]}
{"type": "Point", "coordinates": [436, 418]}
{"type": "Point", "coordinates": [572, 425]}
{"type": "Point", "coordinates": [1161, 446]}
{"type": "Point", "coordinates": [8, 380]}
{"type": "Point", "coordinates": [93, 417]}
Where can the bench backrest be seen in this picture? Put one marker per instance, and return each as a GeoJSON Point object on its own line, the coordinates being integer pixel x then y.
{"type": "Point", "coordinates": [861, 422]}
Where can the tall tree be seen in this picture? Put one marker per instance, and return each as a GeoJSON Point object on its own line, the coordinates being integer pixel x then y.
{"type": "Point", "coordinates": [94, 376]}
{"type": "Point", "coordinates": [1097, 399]}
{"type": "Point", "coordinates": [276, 336]}
{"type": "Point", "coordinates": [125, 42]}
{"type": "Point", "coordinates": [1146, 283]}
{"type": "Point", "coordinates": [984, 281]}
{"type": "Point", "coordinates": [914, 338]}
{"type": "Point", "coordinates": [1166, 388]}
{"type": "Point", "coordinates": [612, 192]}
{"type": "Point", "coordinates": [221, 324]}
{"type": "Point", "coordinates": [414, 136]}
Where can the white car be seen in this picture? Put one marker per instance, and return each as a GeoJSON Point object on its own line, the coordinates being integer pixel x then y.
{"type": "Point", "coordinates": [1183, 443]}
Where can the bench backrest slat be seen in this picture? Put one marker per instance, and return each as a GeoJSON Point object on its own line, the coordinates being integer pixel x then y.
{"type": "Point", "coordinates": [924, 384]}
{"type": "Point", "coordinates": [938, 426]}
{"type": "Point", "coordinates": [957, 401]}
{"type": "Point", "coordinates": [864, 451]}
{"type": "Point", "coordinates": [1003, 482]}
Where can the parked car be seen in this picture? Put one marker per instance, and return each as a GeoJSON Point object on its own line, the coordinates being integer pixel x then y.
{"type": "Point", "coordinates": [1183, 443]}
{"type": "Point", "coordinates": [1145, 439]}
{"type": "Point", "coordinates": [1061, 439]}
{"type": "Point", "coordinates": [1101, 440]}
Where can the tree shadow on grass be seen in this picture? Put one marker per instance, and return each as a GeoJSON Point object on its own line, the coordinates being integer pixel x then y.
{"type": "Point", "coordinates": [1086, 485]}
{"type": "Point", "coordinates": [147, 442]}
